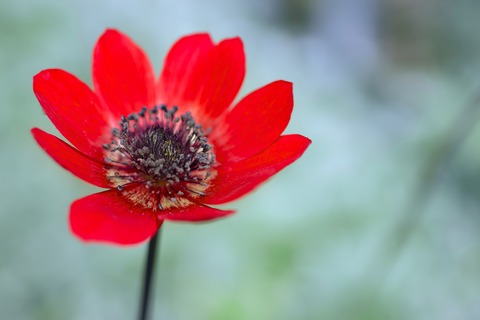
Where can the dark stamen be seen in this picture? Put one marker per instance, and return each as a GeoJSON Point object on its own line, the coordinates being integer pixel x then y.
{"type": "Point", "coordinates": [163, 151]}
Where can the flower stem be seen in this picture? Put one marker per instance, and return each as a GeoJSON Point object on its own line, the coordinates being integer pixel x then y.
{"type": "Point", "coordinates": [148, 276]}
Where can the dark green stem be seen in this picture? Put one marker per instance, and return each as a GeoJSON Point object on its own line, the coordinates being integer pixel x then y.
{"type": "Point", "coordinates": [148, 277]}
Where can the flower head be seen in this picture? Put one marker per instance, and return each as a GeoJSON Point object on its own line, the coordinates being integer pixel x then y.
{"type": "Point", "coordinates": [166, 148]}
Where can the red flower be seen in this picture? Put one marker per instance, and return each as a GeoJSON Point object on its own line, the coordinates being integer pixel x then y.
{"type": "Point", "coordinates": [165, 148]}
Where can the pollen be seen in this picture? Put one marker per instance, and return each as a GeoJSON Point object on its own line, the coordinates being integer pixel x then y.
{"type": "Point", "coordinates": [165, 158]}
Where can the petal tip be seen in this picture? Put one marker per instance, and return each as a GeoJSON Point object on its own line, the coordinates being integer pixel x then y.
{"type": "Point", "coordinates": [195, 39]}
{"type": "Point", "coordinates": [110, 32]}
{"type": "Point", "coordinates": [308, 141]}
{"type": "Point", "coordinates": [234, 42]}
{"type": "Point", "coordinates": [41, 75]}
{"type": "Point", "coordinates": [38, 134]}
{"type": "Point", "coordinates": [109, 36]}
{"type": "Point", "coordinates": [301, 141]}
{"type": "Point", "coordinates": [34, 131]}
{"type": "Point", "coordinates": [44, 75]}
{"type": "Point", "coordinates": [198, 36]}
{"type": "Point", "coordinates": [287, 84]}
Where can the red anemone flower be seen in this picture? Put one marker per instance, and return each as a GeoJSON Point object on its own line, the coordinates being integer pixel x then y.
{"type": "Point", "coordinates": [165, 148]}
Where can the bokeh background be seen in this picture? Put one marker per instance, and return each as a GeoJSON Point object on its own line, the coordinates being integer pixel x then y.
{"type": "Point", "coordinates": [379, 220]}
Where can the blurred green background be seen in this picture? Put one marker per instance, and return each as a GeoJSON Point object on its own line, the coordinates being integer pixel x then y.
{"type": "Point", "coordinates": [379, 220]}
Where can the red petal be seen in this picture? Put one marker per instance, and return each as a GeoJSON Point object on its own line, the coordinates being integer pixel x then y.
{"type": "Point", "coordinates": [239, 178]}
{"type": "Point", "coordinates": [71, 159]}
{"type": "Point", "coordinates": [184, 56]}
{"type": "Point", "coordinates": [221, 77]}
{"type": "Point", "coordinates": [257, 121]}
{"type": "Point", "coordinates": [196, 212]}
{"type": "Point", "coordinates": [122, 74]}
{"type": "Point", "coordinates": [212, 75]}
{"type": "Point", "coordinates": [107, 217]}
{"type": "Point", "coordinates": [73, 108]}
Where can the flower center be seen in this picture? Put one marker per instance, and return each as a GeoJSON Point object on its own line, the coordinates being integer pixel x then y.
{"type": "Point", "coordinates": [167, 154]}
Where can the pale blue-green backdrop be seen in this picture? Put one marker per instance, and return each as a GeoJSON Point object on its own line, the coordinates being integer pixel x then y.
{"type": "Point", "coordinates": [379, 220]}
